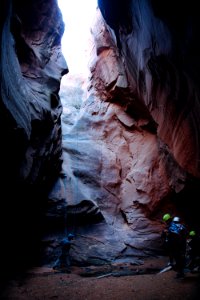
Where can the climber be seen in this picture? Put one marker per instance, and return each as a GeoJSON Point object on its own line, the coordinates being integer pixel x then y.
{"type": "Point", "coordinates": [177, 238]}
{"type": "Point", "coordinates": [166, 244]}
{"type": "Point", "coordinates": [64, 261]}
{"type": "Point", "coordinates": [194, 251]}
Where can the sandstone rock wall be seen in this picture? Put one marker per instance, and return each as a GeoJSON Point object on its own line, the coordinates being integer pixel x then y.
{"type": "Point", "coordinates": [31, 66]}
{"type": "Point", "coordinates": [121, 174]}
{"type": "Point", "coordinates": [130, 151]}
{"type": "Point", "coordinates": [159, 46]}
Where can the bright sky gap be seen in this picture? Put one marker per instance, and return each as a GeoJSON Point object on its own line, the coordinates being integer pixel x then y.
{"type": "Point", "coordinates": [77, 16]}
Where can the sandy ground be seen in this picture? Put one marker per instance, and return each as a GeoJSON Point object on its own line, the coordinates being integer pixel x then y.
{"type": "Point", "coordinates": [144, 282]}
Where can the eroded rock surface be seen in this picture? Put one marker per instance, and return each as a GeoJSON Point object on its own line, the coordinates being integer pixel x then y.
{"type": "Point", "coordinates": [120, 155]}
{"type": "Point", "coordinates": [130, 148]}
{"type": "Point", "coordinates": [31, 150]}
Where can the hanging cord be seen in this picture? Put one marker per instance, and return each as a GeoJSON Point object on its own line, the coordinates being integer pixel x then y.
{"type": "Point", "coordinates": [73, 218]}
{"type": "Point", "coordinates": [65, 208]}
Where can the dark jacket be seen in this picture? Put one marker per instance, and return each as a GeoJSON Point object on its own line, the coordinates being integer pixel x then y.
{"type": "Point", "coordinates": [177, 236]}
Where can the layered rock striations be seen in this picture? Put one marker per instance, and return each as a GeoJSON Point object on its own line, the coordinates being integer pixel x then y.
{"type": "Point", "coordinates": [158, 43]}
{"type": "Point", "coordinates": [125, 155]}
{"type": "Point", "coordinates": [130, 149]}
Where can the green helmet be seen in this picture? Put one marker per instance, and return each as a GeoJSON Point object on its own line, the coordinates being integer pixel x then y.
{"type": "Point", "coordinates": [166, 217]}
{"type": "Point", "coordinates": [192, 233]}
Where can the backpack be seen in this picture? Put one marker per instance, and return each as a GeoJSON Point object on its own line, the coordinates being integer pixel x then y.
{"type": "Point", "coordinates": [177, 228]}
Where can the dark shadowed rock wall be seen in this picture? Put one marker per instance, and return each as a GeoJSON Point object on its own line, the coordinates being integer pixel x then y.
{"type": "Point", "coordinates": [31, 65]}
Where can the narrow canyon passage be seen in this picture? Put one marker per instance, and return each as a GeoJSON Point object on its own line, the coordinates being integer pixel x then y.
{"type": "Point", "coordinates": [117, 181]}
{"type": "Point", "coordinates": [103, 152]}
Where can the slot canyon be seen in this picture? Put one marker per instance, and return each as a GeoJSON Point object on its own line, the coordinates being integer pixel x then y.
{"type": "Point", "coordinates": [105, 156]}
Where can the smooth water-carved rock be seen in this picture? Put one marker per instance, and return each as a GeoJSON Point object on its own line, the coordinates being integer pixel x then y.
{"type": "Point", "coordinates": [130, 150]}
{"type": "Point", "coordinates": [159, 54]}
{"type": "Point", "coordinates": [114, 155]}
{"type": "Point", "coordinates": [31, 67]}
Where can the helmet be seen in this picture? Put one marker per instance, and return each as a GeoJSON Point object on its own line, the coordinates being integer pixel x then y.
{"type": "Point", "coordinates": [70, 236]}
{"type": "Point", "coordinates": [166, 217]}
{"type": "Point", "coordinates": [192, 233]}
{"type": "Point", "coordinates": [176, 219]}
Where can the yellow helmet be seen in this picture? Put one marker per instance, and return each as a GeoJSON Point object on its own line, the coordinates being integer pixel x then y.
{"type": "Point", "coordinates": [192, 233]}
{"type": "Point", "coordinates": [166, 217]}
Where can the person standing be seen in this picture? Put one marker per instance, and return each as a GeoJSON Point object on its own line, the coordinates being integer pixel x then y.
{"type": "Point", "coordinates": [194, 251]}
{"type": "Point", "coordinates": [64, 261]}
{"type": "Point", "coordinates": [167, 219]}
{"type": "Point", "coordinates": [177, 236]}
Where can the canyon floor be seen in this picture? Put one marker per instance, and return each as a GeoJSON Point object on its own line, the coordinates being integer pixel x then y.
{"type": "Point", "coordinates": [119, 282]}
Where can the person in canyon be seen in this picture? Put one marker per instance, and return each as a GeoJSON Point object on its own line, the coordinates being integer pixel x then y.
{"type": "Point", "coordinates": [63, 263]}
{"type": "Point", "coordinates": [177, 240]}
{"type": "Point", "coordinates": [167, 218]}
{"type": "Point", "coordinates": [194, 251]}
